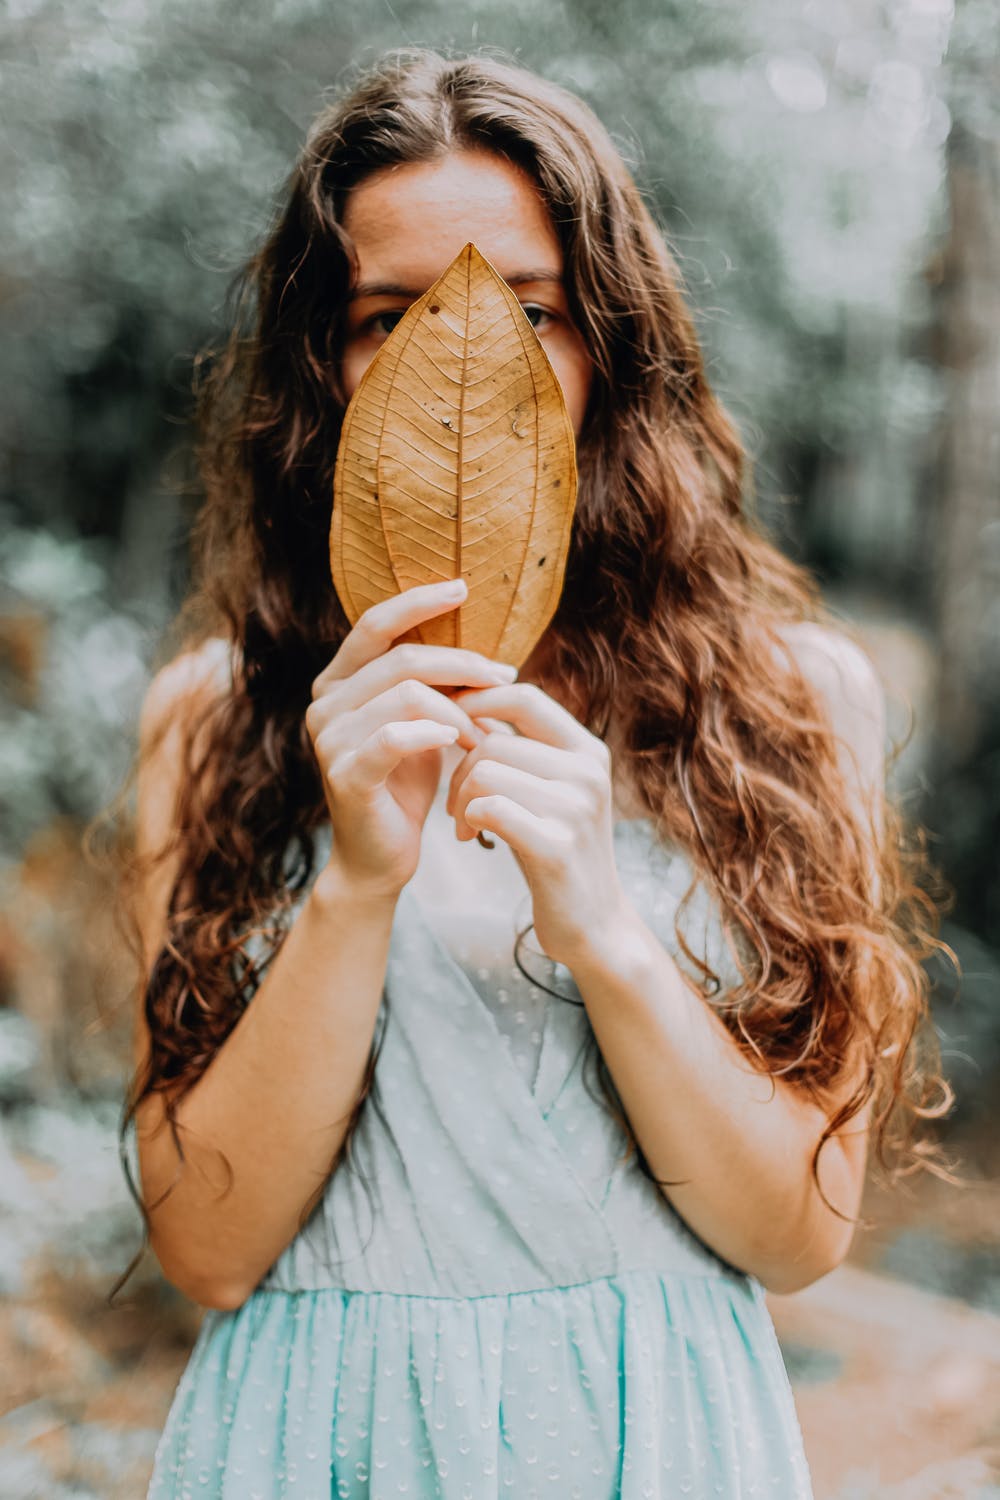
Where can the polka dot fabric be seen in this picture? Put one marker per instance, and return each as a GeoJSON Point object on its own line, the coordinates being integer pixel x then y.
{"type": "Point", "coordinates": [489, 1301]}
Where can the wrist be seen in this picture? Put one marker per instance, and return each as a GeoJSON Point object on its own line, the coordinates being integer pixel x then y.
{"type": "Point", "coordinates": [618, 947]}
{"type": "Point", "coordinates": [335, 889]}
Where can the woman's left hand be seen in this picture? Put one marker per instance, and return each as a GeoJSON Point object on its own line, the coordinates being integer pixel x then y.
{"type": "Point", "coordinates": [546, 791]}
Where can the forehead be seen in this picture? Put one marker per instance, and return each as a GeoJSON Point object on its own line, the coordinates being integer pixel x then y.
{"type": "Point", "coordinates": [415, 218]}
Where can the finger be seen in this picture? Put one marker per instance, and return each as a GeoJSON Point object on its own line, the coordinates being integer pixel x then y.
{"type": "Point", "coordinates": [363, 770]}
{"type": "Point", "coordinates": [532, 837]}
{"type": "Point", "coordinates": [446, 666]}
{"type": "Point", "coordinates": [554, 799]}
{"type": "Point", "coordinates": [376, 629]}
{"type": "Point", "coordinates": [406, 700]}
{"type": "Point", "coordinates": [532, 712]}
{"type": "Point", "coordinates": [406, 664]}
{"type": "Point", "coordinates": [450, 667]}
{"type": "Point", "coordinates": [516, 750]}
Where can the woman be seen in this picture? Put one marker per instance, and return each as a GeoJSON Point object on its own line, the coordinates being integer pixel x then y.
{"type": "Point", "coordinates": [435, 1260]}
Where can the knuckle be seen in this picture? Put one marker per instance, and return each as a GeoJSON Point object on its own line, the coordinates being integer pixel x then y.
{"type": "Point", "coordinates": [325, 743]}
{"type": "Point", "coordinates": [324, 698]}
{"type": "Point", "coordinates": [476, 779]}
{"type": "Point", "coordinates": [369, 624]}
{"type": "Point", "coordinates": [594, 779]}
{"type": "Point", "coordinates": [411, 693]}
{"type": "Point", "coordinates": [586, 799]}
{"type": "Point", "coordinates": [406, 657]}
{"type": "Point", "coordinates": [339, 771]}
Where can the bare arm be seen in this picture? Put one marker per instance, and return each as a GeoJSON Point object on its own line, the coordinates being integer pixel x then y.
{"type": "Point", "coordinates": [704, 1116]}
{"type": "Point", "coordinates": [277, 1097]}
{"type": "Point", "coordinates": [699, 1110]}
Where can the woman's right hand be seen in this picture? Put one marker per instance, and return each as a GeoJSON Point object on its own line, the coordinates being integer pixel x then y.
{"type": "Point", "coordinates": [377, 728]}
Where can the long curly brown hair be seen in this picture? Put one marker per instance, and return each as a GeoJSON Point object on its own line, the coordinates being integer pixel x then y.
{"type": "Point", "coordinates": [668, 633]}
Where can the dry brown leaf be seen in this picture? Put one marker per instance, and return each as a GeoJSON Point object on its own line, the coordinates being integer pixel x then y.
{"type": "Point", "coordinates": [457, 457]}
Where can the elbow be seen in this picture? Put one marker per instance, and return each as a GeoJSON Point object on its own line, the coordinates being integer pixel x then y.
{"type": "Point", "coordinates": [219, 1296]}
{"type": "Point", "coordinates": [801, 1268]}
{"type": "Point", "coordinates": [819, 1245]}
{"type": "Point", "coordinates": [204, 1290]}
{"type": "Point", "coordinates": [783, 1281]}
{"type": "Point", "coordinates": [223, 1298]}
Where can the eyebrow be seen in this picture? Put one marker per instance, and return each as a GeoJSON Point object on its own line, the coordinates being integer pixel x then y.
{"type": "Point", "coordinates": [396, 289]}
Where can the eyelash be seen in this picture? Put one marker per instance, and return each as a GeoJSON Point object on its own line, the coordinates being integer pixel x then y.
{"type": "Point", "coordinates": [370, 324]}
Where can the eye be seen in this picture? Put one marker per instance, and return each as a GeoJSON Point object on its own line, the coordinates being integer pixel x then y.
{"type": "Point", "coordinates": [534, 313]}
{"type": "Point", "coordinates": [384, 322]}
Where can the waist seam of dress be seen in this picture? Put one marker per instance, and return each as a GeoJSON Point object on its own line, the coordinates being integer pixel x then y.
{"type": "Point", "coordinates": [735, 1280]}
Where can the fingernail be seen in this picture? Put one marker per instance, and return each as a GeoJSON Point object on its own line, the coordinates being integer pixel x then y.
{"type": "Point", "coordinates": [454, 586]}
{"type": "Point", "coordinates": [506, 670]}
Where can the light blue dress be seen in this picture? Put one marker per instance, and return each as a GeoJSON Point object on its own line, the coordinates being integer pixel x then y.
{"type": "Point", "coordinates": [502, 1307]}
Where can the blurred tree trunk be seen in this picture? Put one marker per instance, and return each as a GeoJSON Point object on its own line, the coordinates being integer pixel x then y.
{"type": "Point", "coordinates": [967, 532]}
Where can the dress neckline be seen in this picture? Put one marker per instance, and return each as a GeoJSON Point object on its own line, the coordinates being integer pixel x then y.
{"type": "Point", "coordinates": [538, 1095]}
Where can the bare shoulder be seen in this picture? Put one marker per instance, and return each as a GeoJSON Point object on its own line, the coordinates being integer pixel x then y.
{"type": "Point", "coordinates": [849, 685]}
{"type": "Point", "coordinates": [170, 716]}
{"type": "Point", "coordinates": [833, 661]}
{"type": "Point", "coordinates": [180, 687]}
{"type": "Point", "coordinates": [175, 694]}
{"type": "Point", "coordinates": [838, 667]}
